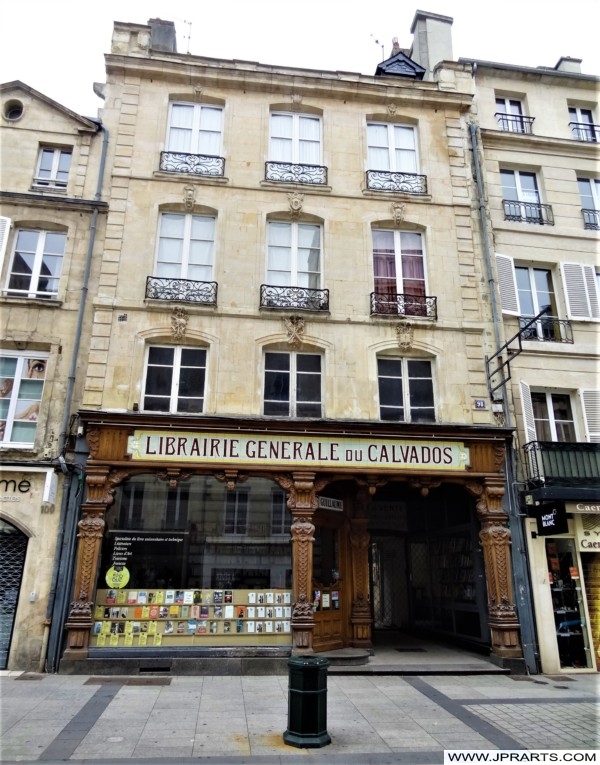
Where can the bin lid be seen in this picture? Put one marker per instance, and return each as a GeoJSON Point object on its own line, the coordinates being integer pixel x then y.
{"type": "Point", "coordinates": [308, 661]}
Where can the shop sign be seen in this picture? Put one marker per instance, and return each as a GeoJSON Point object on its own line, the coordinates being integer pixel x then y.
{"type": "Point", "coordinates": [551, 519]}
{"type": "Point", "coordinates": [297, 451]}
{"type": "Point", "coordinates": [583, 507]}
{"type": "Point", "coordinates": [589, 532]}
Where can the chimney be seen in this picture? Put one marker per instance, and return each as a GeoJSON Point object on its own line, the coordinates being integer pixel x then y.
{"type": "Point", "coordinates": [432, 40]}
{"type": "Point", "coordinates": [568, 64]}
{"type": "Point", "coordinates": [162, 36]}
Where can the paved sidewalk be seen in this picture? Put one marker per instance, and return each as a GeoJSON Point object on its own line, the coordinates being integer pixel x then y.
{"type": "Point", "coordinates": [224, 720]}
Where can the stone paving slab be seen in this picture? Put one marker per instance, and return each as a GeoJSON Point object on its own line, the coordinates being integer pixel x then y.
{"type": "Point", "coordinates": [376, 720]}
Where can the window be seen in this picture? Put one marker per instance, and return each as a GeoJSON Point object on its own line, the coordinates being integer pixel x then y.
{"type": "Point", "coordinates": [52, 169]}
{"type": "Point", "coordinates": [280, 513]}
{"type": "Point", "coordinates": [405, 390]}
{"type": "Point", "coordinates": [399, 270]}
{"type": "Point", "coordinates": [589, 191]}
{"type": "Point", "coordinates": [582, 291]}
{"type": "Point", "coordinates": [185, 247]}
{"type": "Point", "coordinates": [292, 384]}
{"type": "Point", "coordinates": [547, 416]}
{"type": "Point", "coordinates": [21, 387]}
{"type": "Point", "coordinates": [294, 255]}
{"type": "Point", "coordinates": [236, 511]}
{"type": "Point", "coordinates": [295, 138]}
{"type": "Point", "coordinates": [195, 129]}
{"type": "Point", "coordinates": [536, 293]}
{"type": "Point", "coordinates": [175, 379]}
{"type": "Point", "coordinates": [392, 148]}
{"type": "Point", "coordinates": [582, 124]}
{"type": "Point", "coordinates": [510, 116]}
{"type": "Point", "coordinates": [36, 264]}
{"type": "Point", "coordinates": [521, 198]}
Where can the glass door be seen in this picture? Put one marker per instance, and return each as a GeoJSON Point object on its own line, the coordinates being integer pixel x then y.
{"type": "Point", "coordinates": [568, 604]}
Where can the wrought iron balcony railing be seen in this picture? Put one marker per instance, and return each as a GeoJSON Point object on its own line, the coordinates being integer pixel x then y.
{"type": "Point", "coordinates": [289, 172]}
{"type": "Point", "coordinates": [192, 164]}
{"type": "Point", "coordinates": [406, 183]}
{"type": "Point", "coordinates": [584, 131]}
{"type": "Point", "coordinates": [296, 298]}
{"type": "Point", "coordinates": [515, 123]}
{"type": "Point", "coordinates": [591, 219]}
{"type": "Point", "coordinates": [528, 212]}
{"type": "Point", "coordinates": [548, 328]}
{"type": "Point", "coordinates": [554, 463]}
{"type": "Point", "coordinates": [403, 305]}
{"type": "Point", "coordinates": [181, 290]}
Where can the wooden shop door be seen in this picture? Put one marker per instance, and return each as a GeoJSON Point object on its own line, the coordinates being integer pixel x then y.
{"type": "Point", "coordinates": [328, 594]}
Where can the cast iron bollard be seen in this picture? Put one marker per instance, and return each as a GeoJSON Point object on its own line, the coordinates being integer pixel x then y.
{"type": "Point", "coordinates": [307, 702]}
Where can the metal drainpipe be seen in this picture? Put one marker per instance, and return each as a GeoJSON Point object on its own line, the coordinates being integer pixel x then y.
{"type": "Point", "coordinates": [65, 556]}
{"type": "Point", "coordinates": [518, 549]}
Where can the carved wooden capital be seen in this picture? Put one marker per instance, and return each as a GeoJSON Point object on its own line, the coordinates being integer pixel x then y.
{"type": "Point", "coordinates": [173, 476]}
{"type": "Point", "coordinates": [231, 478]}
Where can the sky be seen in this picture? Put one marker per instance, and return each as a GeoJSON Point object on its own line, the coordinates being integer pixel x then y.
{"type": "Point", "coordinates": [58, 46]}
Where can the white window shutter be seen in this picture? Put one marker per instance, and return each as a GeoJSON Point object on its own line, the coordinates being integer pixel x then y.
{"type": "Point", "coordinates": [581, 291]}
{"type": "Point", "coordinates": [590, 405]}
{"type": "Point", "coordinates": [4, 234]}
{"type": "Point", "coordinates": [527, 409]}
{"type": "Point", "coordinates": [507, 283]}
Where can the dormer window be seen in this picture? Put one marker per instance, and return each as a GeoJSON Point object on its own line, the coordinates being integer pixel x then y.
{"type": "Point", "coordinates": [52, 169]}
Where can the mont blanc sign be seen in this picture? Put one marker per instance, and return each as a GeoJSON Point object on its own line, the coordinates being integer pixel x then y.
{"type": "Point", "coordinates": [297, 451]}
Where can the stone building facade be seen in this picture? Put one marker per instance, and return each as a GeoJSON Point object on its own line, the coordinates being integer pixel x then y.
{"type": "Point", "coordinates": [51, 224]}
{"type": "Point", "coordinates": [538, 141]}
{"type": "Point", "coordinates": [288, 342]}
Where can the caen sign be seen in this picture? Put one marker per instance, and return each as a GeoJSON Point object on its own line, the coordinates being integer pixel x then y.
{"type": "Point", "coordinates": [384, 454]}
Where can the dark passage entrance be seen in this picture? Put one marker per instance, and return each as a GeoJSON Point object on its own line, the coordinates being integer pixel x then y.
{"type": "Point", "coordinates": [427, 573]}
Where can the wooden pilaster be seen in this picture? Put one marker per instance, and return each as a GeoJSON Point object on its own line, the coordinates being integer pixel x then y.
{"type": "Point", "coordinates": [495, 540]}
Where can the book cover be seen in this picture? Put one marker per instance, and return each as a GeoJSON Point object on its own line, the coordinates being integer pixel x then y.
{"type": "Point", "coordinates": [157, 639]}
{"type": "Point", "coordinates": [111, 597]}
{"type": "Point", "coordinates": [202, 627]}
{"type": "Point", "coordinates": [214, 626]}
{"type": "Point", "coordinates": [142, 597]}
{"type": "Point", "coordinates": [170, 597]}
{"type": "Point", "coordinates": [197, 597]}
{"type": "Point", "coordinates": [163, 612]}
{"type": "Point", "coordinates": [218, 596]}
{"type": "Point", "coordinates": [204, 612]}
{"type": "Point", "coordinates": [179, 596]}
{"type": "Point", "coordinates": [174, 611]}
{"type": "Point", "coordinates": [191, 626]}
{"type": "Point", "coordinates": [168, 627]}
{"type": "Point", "coordinates": [188, 597]}
{"type": "Point", "coordinates": [218, 612]}
{"type": "Point", "coordinates": [132, 597]}
{"type": "Point", "coordinates": [121, 597]}
{"type": "Point", "coordinates": [228, 596]}
{"type": "Point", "coordinates": [228, 611]}
{"type": "Point", "coordinates": [184, 612]}
{"type": "Point", "coordinates": [180, 628]}
{"type": "Point", "coordinates": [153, 612]}
{"type": "Point", "coordinates": [226, 626]}
{"type": "Point", "coordinates": [143, 638]}
{"type": "Point", "coordinates": [195, 612]}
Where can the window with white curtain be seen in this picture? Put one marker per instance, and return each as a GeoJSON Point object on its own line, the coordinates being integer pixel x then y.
{"type": "Point", "coordinates": [295, 138]}
{"type": "Point", "coordinates": [185, 247]}
{"type": "Point", "coordinates": [195, 129]}
{"type": "Point", "coordinates": [294, 255]}
{"type": "Point", "coordinates": [392, 147]}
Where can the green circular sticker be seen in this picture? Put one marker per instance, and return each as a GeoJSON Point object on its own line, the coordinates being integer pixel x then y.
{"type": "Point", "coordinates": [117, 577]}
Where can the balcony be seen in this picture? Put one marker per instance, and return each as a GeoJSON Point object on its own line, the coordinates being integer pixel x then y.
{"type": "Point", "coordinates": [546, 329]}
{"type": "Point", "coordinates": [289, 172]}
{"type": "Point", "coordinates": [553, 463]}
{"type": "Point", "coordinates": [181, 290]}
{"type": "Point", "coordinates": [528, 212]}
{"type": "Point", "coordinates": [395, 305]}
{"type": "Point", "coordinates": [293, 298]}
{"type": "Point", "coordinates": [192, 164]}
{"type": "Point", "coordinates": [591, 219]}
{"type": "Point", "coordinates": [585, 131]}
{"type": "Point", "coordinates": [515, 123]}
{"type": "Point", "coordinates": [405, 183]}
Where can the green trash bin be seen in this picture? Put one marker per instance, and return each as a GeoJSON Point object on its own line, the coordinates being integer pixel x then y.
{"type": "Point", "coordinates": [307, 702]}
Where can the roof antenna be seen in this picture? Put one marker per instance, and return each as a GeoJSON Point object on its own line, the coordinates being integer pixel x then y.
{"type": "Point", "coordinates": [189, 34]}
{"type": "Point", "coordinates": [378, 43]}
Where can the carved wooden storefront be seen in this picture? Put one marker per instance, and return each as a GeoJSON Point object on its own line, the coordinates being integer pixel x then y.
{"type": "Point", "coordinates": [121, 447]}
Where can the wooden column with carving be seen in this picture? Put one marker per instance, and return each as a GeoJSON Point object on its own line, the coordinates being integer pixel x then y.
{"type": "Point", "coordinates": [100, 483]}
{"type": "Point", "coordinates": [495, 540]}
{"type": "Point", "coordinates": [360, 617]}
{"type": "Point", "coordinates": [302, 501]}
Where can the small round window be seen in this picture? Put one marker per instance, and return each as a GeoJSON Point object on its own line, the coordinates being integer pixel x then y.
{"type": "Point", "coordinates": [13, 110]}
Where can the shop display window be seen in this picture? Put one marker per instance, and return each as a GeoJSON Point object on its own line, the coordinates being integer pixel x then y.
{"type": "Point", "coordinates": [195, 563]}
{"type": "Point", "coordinates": [567, 603]}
